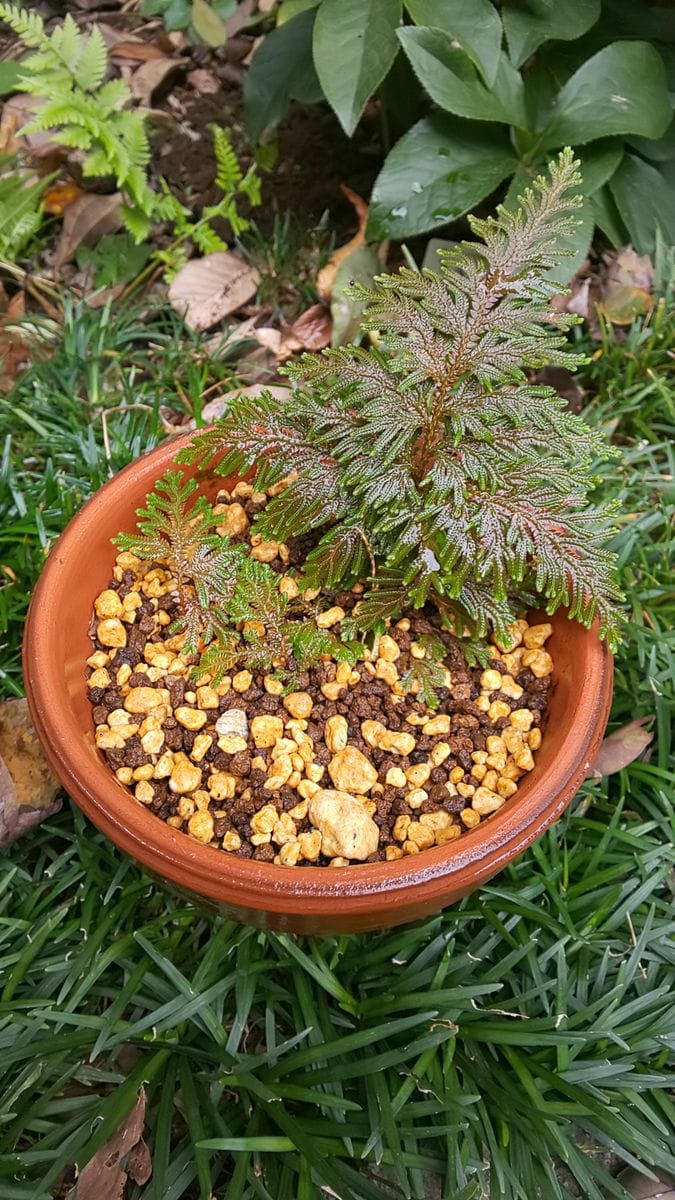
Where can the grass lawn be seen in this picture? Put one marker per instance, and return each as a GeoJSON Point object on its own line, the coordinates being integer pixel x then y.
{"type": "Point", "coordinates": [465, 1057]}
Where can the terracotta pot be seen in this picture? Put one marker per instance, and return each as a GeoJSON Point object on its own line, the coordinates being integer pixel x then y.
{"type": "Point", "coordinates": [303, 899]}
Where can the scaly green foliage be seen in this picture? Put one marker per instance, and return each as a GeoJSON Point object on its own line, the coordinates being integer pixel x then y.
{"type": "Point", "coordinates": [433, 454]}
{"type": "Point", "coordinates": [231, 606]}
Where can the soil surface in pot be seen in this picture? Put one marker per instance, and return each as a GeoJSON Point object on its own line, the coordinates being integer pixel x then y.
{"type": "Point", "coordinates": [348, 767]}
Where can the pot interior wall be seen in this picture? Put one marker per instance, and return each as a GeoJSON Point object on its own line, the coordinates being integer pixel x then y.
{"type": "Point", "coordinates": [304, 899]}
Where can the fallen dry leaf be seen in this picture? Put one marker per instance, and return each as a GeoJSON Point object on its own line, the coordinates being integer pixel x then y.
{"type": "Point", "coordinates": [240, 16]}
{"type": "Point", "coordinates": [59, 197]}
{"type": "Point", "coordinates": [216, 407]}
{"type": "Point", "coordinates": [136, 51]}
{"type": "Point", "coordinates": [153, 79]}
{"type": "Point", "coordinates": [268, 337]}
{"type": "Point", "coordinates": [104, 1178]}
{"type": "Point", "coordinates": [85, 222]}
{"type": "Point", "coordinates": [42, 146]}
{"type": "Point", "coordinates": [210, 288]}
{"type": "Point", "coordinates": [14, 358]}
{"type": "Point", "coordinates": [203, 82]}
{"type": "Point", "coordinates": [626, 286]}
{"type": "Point", "coordinates": [28, 789]}
{"type": "Point", "coordinates": [621, 748]}
{"type": "Point", "coordinates": [326, 276]}
{"type": "Point", "coordinates": [641, 1188]}
{"type": "Point", "coordinates": [313, 328]}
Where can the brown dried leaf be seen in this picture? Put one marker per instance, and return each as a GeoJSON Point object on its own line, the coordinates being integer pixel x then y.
{"type": "Point", "coordinates": [621, 748]}
{"type": "Point", "coordinates": [313, 328]}
{"type": "Point", "coordinates": [153, 79]}
{"type": "Point", "coordinates": [103, 1178]}
{"type": "Point", "coordinates": [137, 51]}
{"type": "Point", "coordinates": [641, 1188]}
{"type": "Point", "coordinates": [14, 357]}
{"type": "Point", "coordinates": [28, 789]}
{"type": "Point", "coordinates": [203, 82]}
{"type": "Point", "coordinates": [85, 222]}
{"type": "Point", "coordinates": [626, 286]}
{"type": "Point", "coordinates": [17, 112]}
{"type": "Point", "coordinates": [216, 407]}
{"type": "Point", "coordinates": [210, 288]}
{"type": "Point", "coordinates": [59, 197]}
{"type": "Point", "coordinates": [326, 276]}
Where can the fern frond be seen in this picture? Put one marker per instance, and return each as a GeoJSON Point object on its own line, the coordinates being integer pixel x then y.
{"type": "Point", "coordinates": [228, 171]}
{"type": "Point", "coordinates": [28, 26]}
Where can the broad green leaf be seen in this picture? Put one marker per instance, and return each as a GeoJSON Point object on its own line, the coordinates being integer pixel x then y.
{"type": "Point", "coordinates": [361, 266]}
{"type": "Point", "coordinates": [281, 70]}
{"type": "Point", "coordinates": [607, 217]}
{"type": "Point", "coordinates": [354, 47]}
{"type": "Point", "coordinates": [598, 164]}
{"type": "Point", "coordinates": [475, 26]}
{"type": "Point", "coordinates": [207, 24]}
{"type": "Point", "coordinates": [439, 170]}
{"type": "Point", "coordinates": [656, 149]}
{"type": "Point", "coordinates": [621, 89]}
{"type": "Point", "coordinates": [175, 14]}
{"type": "Point", "coordinates": [292, 8]}
{"type": "Point", "coordinates": [453, 82]}
{"type": "Point", "coordinates": [645, 200]}
{"type": "Point", "coordinates": [528, 23]}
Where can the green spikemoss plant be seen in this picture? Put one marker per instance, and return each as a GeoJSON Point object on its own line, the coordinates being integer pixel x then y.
{"type": "Point", "coordinates": [429, 464]}
{"type": "Point", "coordinates": [230, 605]}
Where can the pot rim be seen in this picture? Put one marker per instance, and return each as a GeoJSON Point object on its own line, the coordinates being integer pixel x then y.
{"type": "Point", "coordinates": [476, 856]}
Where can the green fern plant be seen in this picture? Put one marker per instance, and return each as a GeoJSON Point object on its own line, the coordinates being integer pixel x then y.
{"type": "Point", "coordinates": [66, 72]}
{"type": "Point", "coordinates": [230, 606]}
{"type": "Point", "coordinates": [432, 456]}
{"type": "Point", "coordinates": [232, 183]}
{"type": "Point", "coordinates": [20, 209]}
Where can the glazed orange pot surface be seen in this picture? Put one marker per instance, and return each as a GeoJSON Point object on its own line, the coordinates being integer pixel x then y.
{"type": "Point", "coordinates": [300, 899]}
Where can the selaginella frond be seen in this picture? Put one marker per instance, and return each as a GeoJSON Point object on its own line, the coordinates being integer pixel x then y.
{"type": "Point", "coordinates": [429, 463]}
{"type": "Point", "coordinates": [229, 606]}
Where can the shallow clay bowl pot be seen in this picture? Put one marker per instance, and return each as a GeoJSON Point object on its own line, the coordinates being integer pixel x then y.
{"type": "Point", "coordinates": [301, 899]}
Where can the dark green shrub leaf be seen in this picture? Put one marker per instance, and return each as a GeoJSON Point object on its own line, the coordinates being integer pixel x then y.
{"type": "Point", "coordinates": [452, 81]}
{"type": "Point", "coordinates": [646, 200]}
{"type": "Point", "coordinates": [354, 47]}
{"type": "Point", "coordinates": [529, 24]}
{"type": "Point", "coordinates": [291, 8]}
{"type": "Point", "coordinates": [438, 170]}
{"type": "Point", "coordinates": [476, 27]}
{"type": "Point", "coordinates": [607, 217]}
{"type": "Point", "coordinates": [621, 89]}
{"type": "Point", "coordinates": [281, 70]}
{"type": "Point", "coordinates": [361, 266]}
{"type": "Point", "coordinates": [656, 149]}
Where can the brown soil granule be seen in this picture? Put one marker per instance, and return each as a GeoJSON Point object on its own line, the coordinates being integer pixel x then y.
{"type": "Point", "coordinates": [347, 768]}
